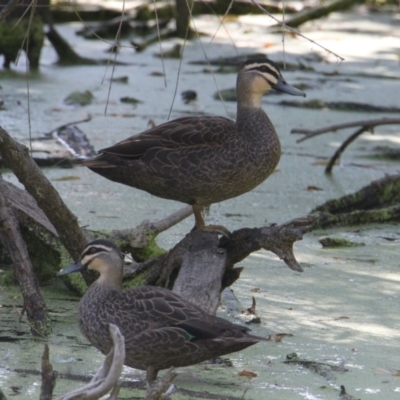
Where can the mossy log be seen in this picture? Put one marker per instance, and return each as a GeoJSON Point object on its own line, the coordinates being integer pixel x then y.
{"type": "Point", "coordinates": [154, 265]}
{"type": "Point", "coordinates": [378, 202]}
{"type": "Point", "coordinates": [33, 302]}
{"type": "Point", "coordinates": [49, 228]}
{"type": "Point", "coordinates": [320, 11]}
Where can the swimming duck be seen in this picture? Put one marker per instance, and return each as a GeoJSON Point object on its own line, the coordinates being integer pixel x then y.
{"type": "Point", "coordinates": [161, 329]}
{"type": "Point", "coordinates": [208, 159]}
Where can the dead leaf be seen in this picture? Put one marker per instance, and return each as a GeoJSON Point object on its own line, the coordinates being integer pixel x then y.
{"type": "Point", "coordinates": [323, 162]}
{"type": "Point", "coordinates": [267, 45]}
{"type": "Point", "coordinates": [312, 188]}
{"type": "Point", "coordinates": [252, 309]}
{"type": "Point", "coordinates": [382, 371]}
{"type": "Point", "coordinates": [248, 374]}
{"type": "Point", "coordinates": [339, 318]}
{"type": "Point", "coordinates": [279, 336]}
{"type": "Point", "coordinates": [67, 178]}
{"type": "Point", "coordinates": [255, 290]}
{"type": "Point", "coordinates": [333, 73]}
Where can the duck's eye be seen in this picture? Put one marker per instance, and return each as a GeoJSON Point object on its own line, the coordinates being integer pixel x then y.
{"type": "Point", "coordinates": [92, 250]}
{"type": "Point", "coordinates": [264, 68]}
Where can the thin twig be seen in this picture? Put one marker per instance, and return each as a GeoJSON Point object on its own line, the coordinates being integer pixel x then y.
{"type": "Point", "coordinates": [180, 60]}
{"type": "Point", "coordinates": [92, 31]}
{"type": "Point", "coordinates": [27, 65]}
{"type": "Point", "coordinates": [310, 133]}
{"type": "Point", "coordinates": [8, 8]}
{"type": "Point", "coordinates": [107, 376]}
{"type": "Point", "coordinates": [116, 41]}
{"type": "Point", "coordinates": [80, 121]}
{"type": "Point", "coordinates": [342, 148]}
{"type": "Point", "coordinates": [364, 126]}
{"type": "Point", "coordinates": [209, 64]}
{"type": "Point", "coordinates": [221, 20]}
{"type": "Point", "coordinates": [295, 31]}
{"type": "Point", "coordinates": [160, 44]}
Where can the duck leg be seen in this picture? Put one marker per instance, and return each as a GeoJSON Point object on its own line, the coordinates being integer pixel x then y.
{"type": "Point", "coordinates": [198, 216]}
{"type": "Point", "coordinates": [200, 225]}
{"type": "Point", "coordinates": [151, 374]}
{"type": "Point", "coordinates": [162, 388]}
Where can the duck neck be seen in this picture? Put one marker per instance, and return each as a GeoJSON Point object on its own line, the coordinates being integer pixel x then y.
{"type": "Point", "coordinates": [247, 93]}
{"type": "Point", "coordinates": [110, 281]}
{"type": "Point", "coordinates": [251, 120]}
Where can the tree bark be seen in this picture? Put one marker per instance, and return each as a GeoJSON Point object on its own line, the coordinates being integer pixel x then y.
{"type": "Point", "coordinates": [48, 376]}
{"type": "Point", "coordinates": [33, 302]}
{"type": "Point", "coordinates": [378, 202]}
{"type": "Point", "coordinates": [183, 15]}
{"type": "Point", "coordinates": [17, 158]}
{"type": "Point", "coordinates": [320, 11]}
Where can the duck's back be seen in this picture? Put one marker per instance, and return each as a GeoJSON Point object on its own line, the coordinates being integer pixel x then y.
{"type": "Point", "coordinates": [195, 160]}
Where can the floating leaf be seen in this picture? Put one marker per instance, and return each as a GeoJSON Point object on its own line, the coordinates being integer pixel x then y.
{"type": "Point", "coordinates": [279, 336]}
{"type": "Point", "coordinates": [67, 178]}
{"type": "Point", "coordinates": [312, 188]}
{"type": "Point", "coordinates": [248, 374]}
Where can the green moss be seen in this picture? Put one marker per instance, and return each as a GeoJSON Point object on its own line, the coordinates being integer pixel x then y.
{"type": "Point", "coordinates": [45, 258]}
{"type": "Point", "coordinates": [8, 278]}
{"type": "Point", "coordinates": [150, 251]}
{"type": "Point", "coordinates": [65, 258]}
{"type": "Point", "coordinates": [134, 282]}
{"type": "Point", "coordinates": [79, 98]}
{"type": "Point", "coordinates": [75, 283]}
{"type": "Point", "coordinates": [12, 36]}
{"type": "Point", "coordinates": [332, 242]}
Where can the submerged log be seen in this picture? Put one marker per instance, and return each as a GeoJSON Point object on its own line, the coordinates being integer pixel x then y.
{"type": "Point", "coordinates": [378, 202]}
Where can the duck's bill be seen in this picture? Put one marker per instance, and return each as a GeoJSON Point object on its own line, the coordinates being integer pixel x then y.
{"type": "Point", "coordinates": [72, 268]}
{"type": "Point", "coordinates": [284, 87]}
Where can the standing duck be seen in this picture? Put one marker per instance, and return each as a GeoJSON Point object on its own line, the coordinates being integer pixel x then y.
{"type": "Point", "coordinates": [160, 328]}
{"type": "Point", "coordinates": [208, 159]}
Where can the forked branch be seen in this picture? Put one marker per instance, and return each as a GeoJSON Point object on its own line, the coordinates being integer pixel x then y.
{"type": "Point", "coordinates": [364, 126]}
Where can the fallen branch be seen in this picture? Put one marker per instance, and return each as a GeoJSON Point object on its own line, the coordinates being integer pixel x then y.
{"type": "Point", "coordinates": [378, 202]}
{"type": "Point", "coordinates": [364, 126]}
{"type": "Point", "coordinates": [106, 378]}
{"type": "Point", "coordinates": [33, 302]}
{"type": "Point", "coordinates": [141, 236]}
{"type": "Point", "coordinates": [8, 8]}
{"type": "Point", "coordinates": [201, 263]}
{"type": "Point", "coordinates": [319, 11]}
{"type": "Point", "coordinates": [16, 157]}
{"type": "Point", "coordinates": [48, 376]}
{"type": "Point", "coordinates": [163, 387]}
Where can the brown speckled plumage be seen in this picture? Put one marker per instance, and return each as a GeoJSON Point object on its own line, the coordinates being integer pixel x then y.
{"type": "Point", "coordinates": [203, 160]}
{"type": "Point", "coordinates": [160, 328]}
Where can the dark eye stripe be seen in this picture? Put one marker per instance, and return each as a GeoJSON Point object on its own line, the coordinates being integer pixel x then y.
{"type": "Point", "coordinates": [95, 250]}
{"type": "Point", "coordinates": [265, 69]}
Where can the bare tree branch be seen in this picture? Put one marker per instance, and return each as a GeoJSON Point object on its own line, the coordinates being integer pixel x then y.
{"type": "Point", "coordinates": [34, 304]}
{"type": "Point", "coordinates": [17, 158]}
{"type": "Point", "coordinates": [365, 126]}
{"type": "Point", "coordinates": [106, 378]}
{"type": "Point", "coordinates": [310, 133]}
{"type": "Point", "coordinates": [8, 8]}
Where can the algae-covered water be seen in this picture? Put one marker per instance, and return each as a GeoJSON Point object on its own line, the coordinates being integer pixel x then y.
{"type": "Point", "coordinates": [342, 310]}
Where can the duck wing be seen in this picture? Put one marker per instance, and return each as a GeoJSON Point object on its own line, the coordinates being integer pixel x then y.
{"type": "Point", "coordinates": [155, 309]}
{"type": "Point", "coordinates": [161, 329]}
{"type": "Point", "coordinates": [178, 133]}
